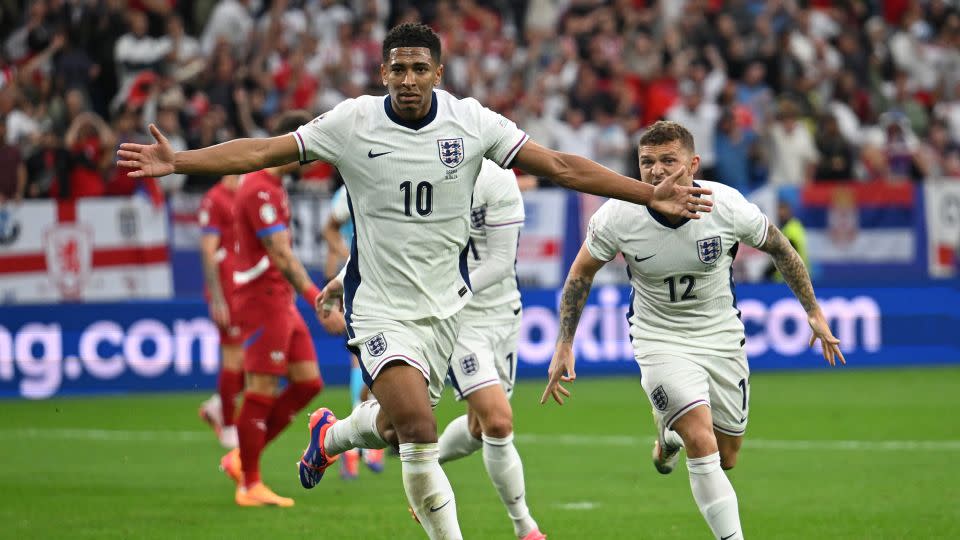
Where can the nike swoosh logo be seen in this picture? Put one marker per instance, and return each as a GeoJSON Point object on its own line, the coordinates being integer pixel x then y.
{"type": "Point", "coordinates": [438, 508]}
{"type": "Point", "coordinates": [728, 536]}
{"type": "Point", "coordinates": [638, 259]}
{"type": "Point", "coordinates": [518, 497]}
{"type": "Point", "coordinates": [371, 155]}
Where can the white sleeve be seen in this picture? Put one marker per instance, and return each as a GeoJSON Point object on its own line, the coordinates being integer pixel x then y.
{"type": "Point", "coordinates": [500, 136]}
{"type": "Point", "coordinates": [327, 135]}
{"type": "Point", "coordinates": [502, 195]}
{"type": "Point", "coordinates": [749, 222]}
{"type": "Point", "coordinates": [601, 241]}
{"type": "Point", "coordinates": [498, 261]}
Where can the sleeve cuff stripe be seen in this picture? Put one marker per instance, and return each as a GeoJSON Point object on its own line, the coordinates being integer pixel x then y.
{"type": "Point", "coordinates": [301, 148]}
{"type": "Point", "coordinates": [210, 230]}
{"type": "Point", "coordinates": [766, 228]}
{"type": "Point", "coordinates": [271, 229]}
{"type": "Point", "coordinates": [513, 151]}
{"type": "Point", "coordinates": [507, 224]}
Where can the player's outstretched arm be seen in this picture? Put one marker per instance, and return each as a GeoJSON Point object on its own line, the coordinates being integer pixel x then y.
{"type": "Point", "coordinates": [219, 311]}
{"type": "Point", "coordinates": [791, 266]}
{"type": "Point", "coordinates": [576, 289]}
{"type": "Point", "coordinates": [281, 255]}
{"type": "Point", "coordinates": [581, 174]}
{"type": "Point", "coordinates": [232, 157]}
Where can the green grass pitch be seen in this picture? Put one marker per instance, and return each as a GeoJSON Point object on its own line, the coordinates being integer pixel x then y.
{"type": "Point", "coordinates": [829, 454]}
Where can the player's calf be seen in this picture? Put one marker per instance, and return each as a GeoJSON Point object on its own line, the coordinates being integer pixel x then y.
{"type": "Point", "coordinates": [729, 446]}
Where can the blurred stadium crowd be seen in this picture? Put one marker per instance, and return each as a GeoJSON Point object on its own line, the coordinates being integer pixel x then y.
{"type": "Point", "coordinates": [775, 91]}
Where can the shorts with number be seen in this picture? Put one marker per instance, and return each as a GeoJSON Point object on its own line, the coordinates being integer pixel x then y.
{"type": "Point", "coordinates": [274, 335]}
{"type": "Point", "coordinates": [425, 344]}
{"type": "Point", "coordinates": [486, 352]}
{"type": "Point", "coordinates": [676, 384]}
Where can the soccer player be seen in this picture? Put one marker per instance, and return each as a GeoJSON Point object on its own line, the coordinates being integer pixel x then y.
{"type": "Point", "coordinates": [338, 234]}
{"type": "Point", "coordinates": [410, 161]}
{"type": "Point", "coordinates": [216, 256]}
{"type": "Point", "coordinates": [687, 335]}
{"type": "Point", "coordinates": [276, 340]}
{"type": "Point", "coordinates": [484, 366]}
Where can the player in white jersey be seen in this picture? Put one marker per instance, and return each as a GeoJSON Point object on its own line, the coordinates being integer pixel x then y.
{"type": "Point", "coordinates": [409, 161]}
{"type": "Point", "coordinates": [483, 367]}
{"type": "Point", "coordinates": [686, 331]}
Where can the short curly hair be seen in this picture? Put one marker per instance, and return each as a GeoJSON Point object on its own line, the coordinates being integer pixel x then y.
{"type": "Point", "coordinates": [412, 35]}
{"type": "Point", "coordinates": [664, 131]}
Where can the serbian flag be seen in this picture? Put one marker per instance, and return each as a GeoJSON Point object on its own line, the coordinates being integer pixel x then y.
{"type": "Point", "coordinates": [854, 223]}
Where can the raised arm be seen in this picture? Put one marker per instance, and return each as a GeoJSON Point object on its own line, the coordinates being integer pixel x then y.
{"type": "Point", "coordinates": [791, 267]}
{"type": "Point", "coordinates": [576, 289]}
{"type": "Point", "coordinates": [232, 157]}
{"type": "Point", "coordinates": [581, 174]}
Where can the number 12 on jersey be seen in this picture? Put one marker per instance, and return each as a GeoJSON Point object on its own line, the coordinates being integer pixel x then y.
{"type": "Point", "coordinates": [687, 293]}
{"type": "Point", "coordinates": [420, 198]}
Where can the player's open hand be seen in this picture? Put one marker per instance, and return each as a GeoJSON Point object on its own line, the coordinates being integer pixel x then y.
{"type": "Point", "coordinates": [220, 313]}
{"type": "Point", "coordinates": [683, 201]}
{"type": "Point", "coordinates": [154, 160]}
{"type": "Point", "coordinates": [829, 344]}
{"type": "Point", "coordinates": [561, 370]}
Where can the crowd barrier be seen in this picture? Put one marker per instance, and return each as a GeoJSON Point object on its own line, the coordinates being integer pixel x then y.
{"type": "Point", "coordinates": [149, 346]}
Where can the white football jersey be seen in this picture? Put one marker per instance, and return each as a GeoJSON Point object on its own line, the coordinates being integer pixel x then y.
{"type": "Point", "coordinates": [683, 298]}
{"type": "Point", "coordinates": [409, 186]}
{"type": "Point", "coordinates": [497, 204]}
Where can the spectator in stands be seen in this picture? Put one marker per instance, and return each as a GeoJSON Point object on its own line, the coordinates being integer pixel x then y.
{"type": "Point", "coordinates": [230, 22]}
{"type": "Point", "coordinates": [48, 165]}
{"type": "Point", "coordinates": [576, 135]}
{"type": "Point", "coordinates": [90, 142]}
{"type": "Point", "coordinates": [700, 117]}
{"type": "Point", "coordinates": [793, 156]}
{"type": "Point", "coordinates": [136, 51]}
{"type": "Point", "coordinates": [836, 154]}
{"type": "Point", "coordinates": [903, 101]}
{"type": "Point", "coordinates": [13, 172]}
{"type": "Point", "coordinates": [939, 156]}
{"type": "Point", "coordinates": [735, 149]}
{"type": "Point", "coordinates": [796, 234]}
{"type": "Point", "coordinates": [612, 145]}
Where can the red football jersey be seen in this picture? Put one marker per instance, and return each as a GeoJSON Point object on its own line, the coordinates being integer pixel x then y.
{"type": "Point", "coordinates": [261, 209]}
{"type": "Point", "coordinates": [216, 217]}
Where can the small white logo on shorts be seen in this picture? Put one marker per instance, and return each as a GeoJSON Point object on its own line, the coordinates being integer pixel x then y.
{"type": "Point", "coordinates": [276, 356]}
{"type": "Point", "coordinates": [469, 364]}
{"type": "Point", "coordinates": [659, 398]}
{"type": "Point", "coordinates": [377, 345]}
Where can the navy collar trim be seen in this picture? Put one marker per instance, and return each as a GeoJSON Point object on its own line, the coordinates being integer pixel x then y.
{"type": "Point", "coordinates": [664, 220]}
{"type": "Point", "coordinates": [411, 124]}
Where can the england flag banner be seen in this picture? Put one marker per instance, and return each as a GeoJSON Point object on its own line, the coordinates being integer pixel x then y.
{"type": "Point", "coordinates": [91, 249]}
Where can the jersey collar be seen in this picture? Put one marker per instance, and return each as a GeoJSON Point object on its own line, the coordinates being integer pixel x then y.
{"type": "Point", "coordinates": [664, 220]}
{"type": "Point", "coordinates": [414, 124]}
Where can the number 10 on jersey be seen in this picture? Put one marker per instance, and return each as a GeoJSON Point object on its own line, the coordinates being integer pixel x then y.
{"type": "Point", "coordinates": [419, 198]}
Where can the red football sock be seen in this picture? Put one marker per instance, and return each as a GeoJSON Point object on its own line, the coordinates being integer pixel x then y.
{"type": "Point", "coordinates": [252, 431]}
{"type": "Point", "coordinates": [229, 385]}
{"type": "Point", "coordinates": [295, 397]}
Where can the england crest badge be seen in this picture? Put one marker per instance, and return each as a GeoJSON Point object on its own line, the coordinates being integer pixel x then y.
{"type": "Point", "coordinates": [709, 249]}
{"type": "Point", "coordinates": [469, 364]}
{"type": "Point", "coordinates": [377, 345]}
{"type": "Point", "coordinates": [451, 151]}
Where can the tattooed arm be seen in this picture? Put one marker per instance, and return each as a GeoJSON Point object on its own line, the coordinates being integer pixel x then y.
{"type": "Point", "coordinates": [574, 297]}
{"type": "Point", "coordinates": [791, 267]}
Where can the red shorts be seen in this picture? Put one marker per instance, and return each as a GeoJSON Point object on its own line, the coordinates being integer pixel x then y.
{"type": "Point", "coordinates": [273, 337]}
{"type": "Point", "coordinates": [233, 334]}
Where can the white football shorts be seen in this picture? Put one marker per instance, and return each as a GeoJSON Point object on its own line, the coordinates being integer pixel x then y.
{"type": "Point", "coordinates": [425, 344]}
{"type": "Point", "coordinates": [676, 384]}
{"type": "Point", "coordinates": [486, 352]}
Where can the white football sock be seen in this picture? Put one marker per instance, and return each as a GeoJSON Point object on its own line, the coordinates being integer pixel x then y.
{"type": "Point", "coordinates": [456, 441]}
{"type": "Point", "coordinates": [428, 490]}
{"type": "Point", "coordinates": [503, 464]}
{"type": "Point", "coordinates": [359, 430]}
{"type": "Point", "coordinates": [715, 496]}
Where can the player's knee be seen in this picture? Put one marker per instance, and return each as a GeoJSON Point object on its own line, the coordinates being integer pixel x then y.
{"type": "Point", "coordinates": [311, 387]}
{"type": "Point", "coordinates": [699, 442]}
{"type": "Point", "coordinates": [417, 429]}
{"type": "Point", "coordinates": [499, 425]}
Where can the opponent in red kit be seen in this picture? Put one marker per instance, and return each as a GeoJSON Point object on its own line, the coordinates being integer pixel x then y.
{"type": "Point", "coordinates": [276, 342]}
{"type": "Point", "coordinates": [216, 254]}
